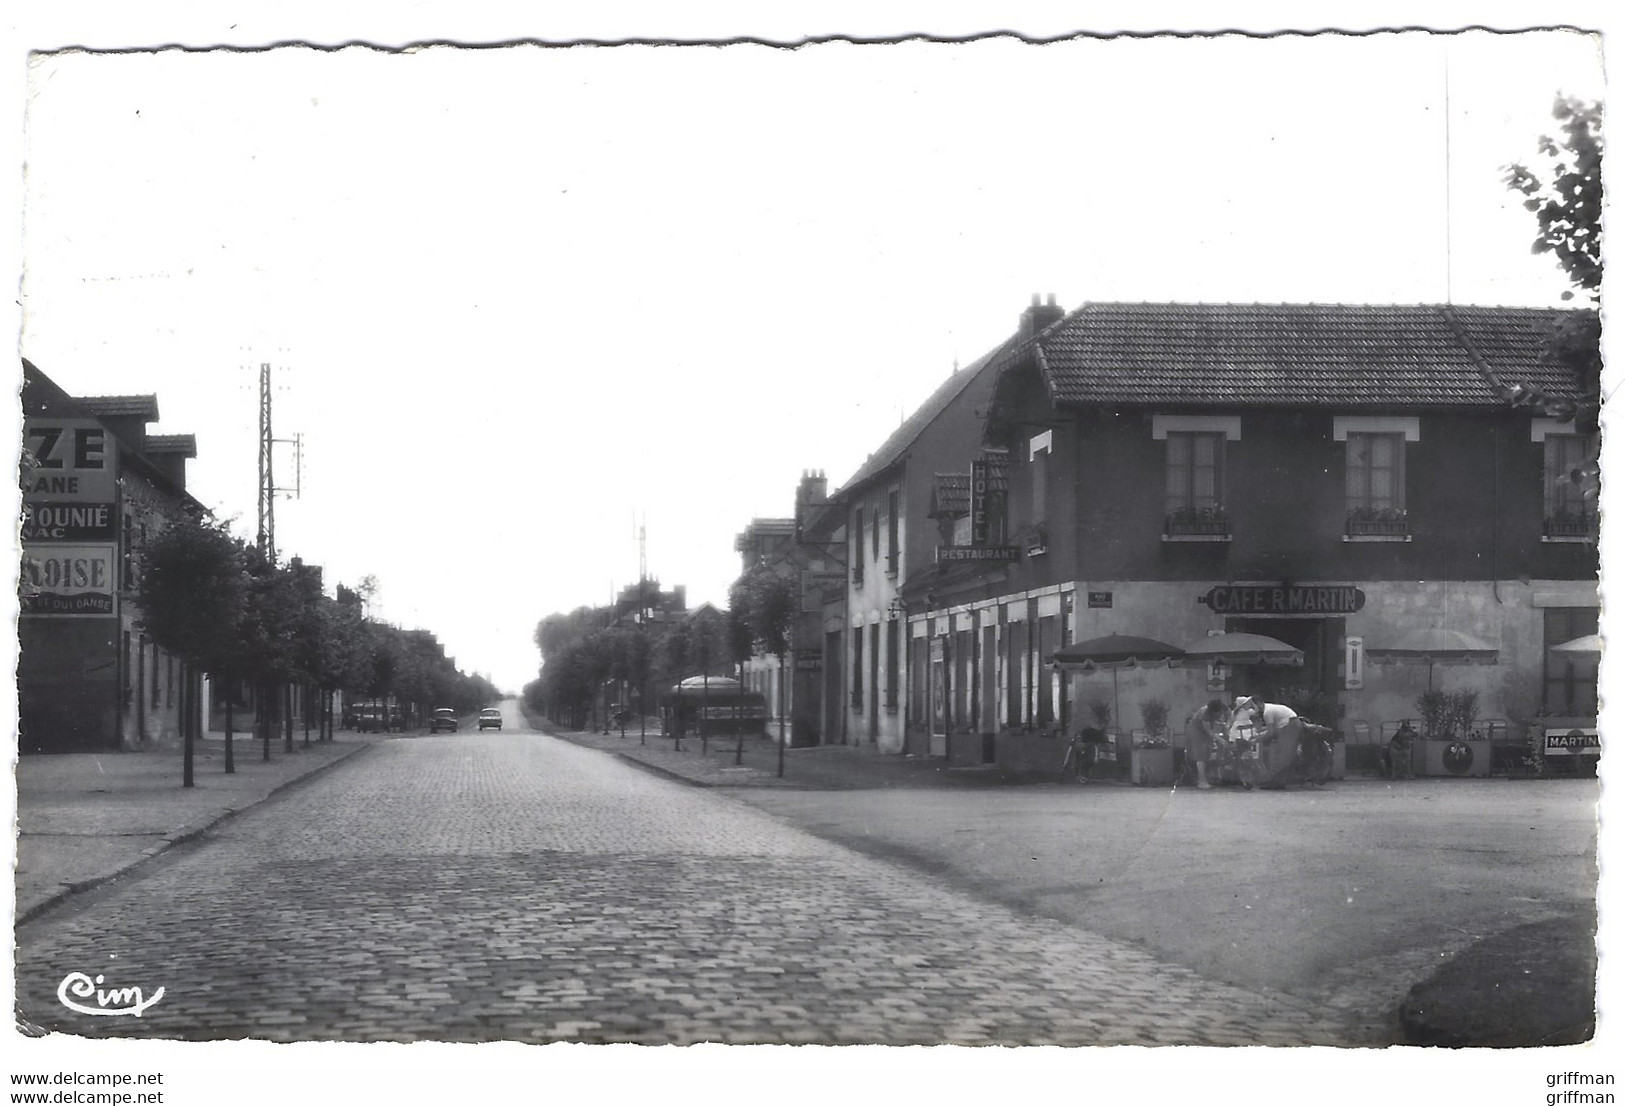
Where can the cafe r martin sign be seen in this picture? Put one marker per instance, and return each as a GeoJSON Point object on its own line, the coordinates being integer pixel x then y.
{"type": "Point", "coordinates": [1287, 599]}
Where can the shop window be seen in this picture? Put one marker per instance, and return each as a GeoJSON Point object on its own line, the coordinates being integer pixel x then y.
{"type": "Point", "coordinates": [893, 641]}
{"type": "Point", "coordinates": [1571, 683]}
{"type": "Point", "coordinates": [917, 654]}
{"type": "Point", "coordinates": [1571, 487]}
{"type": "Point", "coordinates": [857, 668]}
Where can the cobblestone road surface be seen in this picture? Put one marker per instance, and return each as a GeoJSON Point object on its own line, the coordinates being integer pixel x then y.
{"type": "Point", "coordinates": [515, 887]}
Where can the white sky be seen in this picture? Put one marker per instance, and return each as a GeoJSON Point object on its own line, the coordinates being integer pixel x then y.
{"type": "Point", "coordinates": [517, 297]}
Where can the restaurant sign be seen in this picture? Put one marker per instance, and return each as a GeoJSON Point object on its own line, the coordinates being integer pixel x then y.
{"type": "Point", "coordinates": [72, 461]}
{"type": "Point", "coordinates": [946, 553]}
{"type": "Point", "coordinates": [67, 580]}
{"type": "Point", "coordinates": [1270, 600]}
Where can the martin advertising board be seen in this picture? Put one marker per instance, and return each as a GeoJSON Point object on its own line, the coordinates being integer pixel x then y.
{"type": "Point", "coordinates": [73, 461]}
{"type": "Point", "coordinates": [68, 580]}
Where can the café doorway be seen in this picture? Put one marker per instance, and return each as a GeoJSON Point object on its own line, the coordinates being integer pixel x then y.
{"type": "Point", "coordinates": [1312, 690]}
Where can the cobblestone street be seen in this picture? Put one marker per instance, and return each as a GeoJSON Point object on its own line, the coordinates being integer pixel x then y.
{"type": "Point", "coordinates": [516, 887]}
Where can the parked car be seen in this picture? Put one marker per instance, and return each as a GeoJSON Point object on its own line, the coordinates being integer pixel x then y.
{"type": "Point", "coordinates": [444, 718]}
{"type": "Point", "coordinates": [490, 719]}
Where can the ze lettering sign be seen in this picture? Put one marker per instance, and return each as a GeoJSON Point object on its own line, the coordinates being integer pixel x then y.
{"type": "Point", "coordinates": [66, 580]}
{"type": "Point", "coordinates": [73, 462]}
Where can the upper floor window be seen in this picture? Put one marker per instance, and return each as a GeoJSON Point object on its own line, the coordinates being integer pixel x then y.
{"type": "Point", "coordinates": [1193, 482]}
{"type": "Point", "coordinates": [1375, 485]}
{"type": "Point", "coordinates": [1039, 450]}
{"type": "Point", "coordinates": [1570, 486]}
{"type": "Point", "coordinates": [1193, 491]}
{"type": "Point", "coordinates": [857, 545]}
{"type": "Point", "coordinates": [892, 548]}
{"type": "Point", "coordinates": [1374, 475]}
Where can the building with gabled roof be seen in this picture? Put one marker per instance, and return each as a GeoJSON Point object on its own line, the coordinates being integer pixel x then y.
{"type": "Point", "coordinates": [96, 487]}
{"type": "Point", "coordinates": [1328, 475]}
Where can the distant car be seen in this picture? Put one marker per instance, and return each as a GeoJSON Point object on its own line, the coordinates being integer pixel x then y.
{"type": "Point", "coordinates": [444, 718]}
{"type": "Point", "coordinates": [490, 719]}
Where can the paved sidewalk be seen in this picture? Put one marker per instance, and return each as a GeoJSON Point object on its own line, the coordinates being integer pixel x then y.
{"type": "Point", "coordinates": [85, 818]}
{"type": "Point", "coordinates": [816, 768]}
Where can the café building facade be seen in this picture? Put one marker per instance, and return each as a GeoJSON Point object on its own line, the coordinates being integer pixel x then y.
{"type": "Point", "coordinates": [1331, 476]}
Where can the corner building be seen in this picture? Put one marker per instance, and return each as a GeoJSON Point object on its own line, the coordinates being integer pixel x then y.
{"type": "Point", "coordinates": [1329, 475]}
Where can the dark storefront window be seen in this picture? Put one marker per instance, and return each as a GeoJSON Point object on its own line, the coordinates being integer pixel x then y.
{"type": "Point", "coordinates": [1571, 683]}
{"type": "Point", "coordinates": [857, 668]}
{"type": "Point", "coordinates": [893, 642]}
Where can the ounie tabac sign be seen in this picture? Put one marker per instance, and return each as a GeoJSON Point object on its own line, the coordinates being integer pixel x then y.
{"type": "Point", "coordinates": [1267, 599]}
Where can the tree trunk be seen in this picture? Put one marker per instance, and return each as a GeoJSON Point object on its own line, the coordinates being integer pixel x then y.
{"type": "Point", "coordinates": [287, 718]}
{"type": "Point", "coordinates": [231, 765]}
{"type": "Point", "coordinates": [263, 702]}
{"type": "Point", "coordinates": [188, 736]}
{"type": "Point", "coordinates": [782, 698]}
{"type": "Point", "coordinates": [308, 702]}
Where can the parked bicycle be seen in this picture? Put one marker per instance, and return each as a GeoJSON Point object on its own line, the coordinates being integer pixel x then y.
{"type": "Point", "coordinates": [1081, 753]}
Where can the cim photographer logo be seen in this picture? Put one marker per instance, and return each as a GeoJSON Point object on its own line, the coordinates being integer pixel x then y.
{"type": "Point", "coordinates": [112, 1002]}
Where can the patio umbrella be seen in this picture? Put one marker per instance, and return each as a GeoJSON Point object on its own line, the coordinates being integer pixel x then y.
{"type": "Point", "coordinates": [1114, 651]}
{"type": "Point", "coordinates": [1239, 648]}
{"type": "Point", "coordinates": [1588, 647]}
{"type": "Point", "coordinates": [1431, 647]}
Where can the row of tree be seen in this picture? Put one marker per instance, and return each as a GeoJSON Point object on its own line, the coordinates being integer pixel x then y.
{"type": "Point", "coordinates": [223, 608]}
{"type": "Point", "coordinates": [592, 654]}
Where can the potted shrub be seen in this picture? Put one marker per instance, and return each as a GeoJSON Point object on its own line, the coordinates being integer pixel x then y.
{"type": "Point", "coordinates": [1152, 759]}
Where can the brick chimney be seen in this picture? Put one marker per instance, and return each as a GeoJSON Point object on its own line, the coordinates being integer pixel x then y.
{"type": "Point", "coordinates": [1039, 315]}
{"type": "Point", "coordinates": [814, 488]}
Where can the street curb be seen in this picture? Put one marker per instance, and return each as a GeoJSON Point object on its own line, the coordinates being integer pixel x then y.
{"type": "Point", "coordinates": [168, 841]}
{"type": "Point", "coordinates": [652, 769]}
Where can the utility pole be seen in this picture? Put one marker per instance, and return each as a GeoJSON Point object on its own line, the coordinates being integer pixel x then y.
{"type": "Point", "coordinates": [265, 536]}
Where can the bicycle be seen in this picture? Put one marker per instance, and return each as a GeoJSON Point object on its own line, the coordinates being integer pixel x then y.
{"type": "Point", "coordinates": [1079, 761]}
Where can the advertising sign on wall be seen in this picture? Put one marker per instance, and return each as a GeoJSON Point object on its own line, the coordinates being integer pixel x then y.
{"type": "Point", "coordinates": [1573, 742]}
{"type": "Point", "coordinates": [73, 461]}
{"type": "Point", "coordinates": [69, 522]}
{"type": "Point", "coordinates": [68, 580]}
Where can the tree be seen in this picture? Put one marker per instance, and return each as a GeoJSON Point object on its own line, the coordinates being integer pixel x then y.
{"type": "Point", "coordinates": [1566, 197]}
{"type": "Point", "coordinates": [772, 603]}
{"type": "Point", "coordinates": [193, 593]}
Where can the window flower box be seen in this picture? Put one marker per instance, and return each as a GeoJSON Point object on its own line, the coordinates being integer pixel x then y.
{"type": "Point", "coordinates": [1378, 522]}
{"type": "Point", "coordinates": [1197, 522]}
{"type": "Point", "coordinates": [1566, 524]}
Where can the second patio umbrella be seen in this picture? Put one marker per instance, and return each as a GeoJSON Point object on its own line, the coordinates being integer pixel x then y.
{"type": "Point", "coordinates": [1431, 647]}
{"type": "Point", "coordinates": [1239, 648]}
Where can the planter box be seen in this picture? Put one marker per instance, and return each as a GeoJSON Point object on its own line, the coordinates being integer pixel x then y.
{"type": "Point", "coordinates": [1152, 767]}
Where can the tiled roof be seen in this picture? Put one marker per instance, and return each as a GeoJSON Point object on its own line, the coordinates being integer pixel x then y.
{"type": "Point", "coordinates": [184, 444]}
{"type": "Point", "coordinates": [893, 448]}
{"type": "Point", "coordinates": [1316, 355]}
{"type": "Point", "coordinates": [116, 406]}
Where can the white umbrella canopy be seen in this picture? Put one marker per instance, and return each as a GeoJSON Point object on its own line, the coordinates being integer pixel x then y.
{"type": "Point", "coordinates": [704, 684]}
{"type": "Point", "coordinates": [1241, 649]}
{"type": "Point", "coordinates": [1588, 647]}
{"type": "Point", "coordinates": [1431, 647]}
